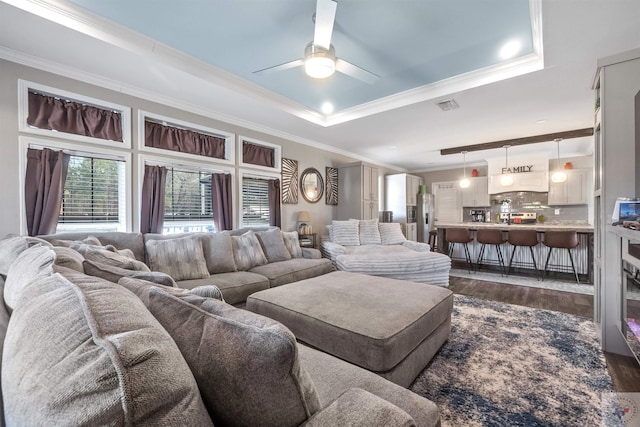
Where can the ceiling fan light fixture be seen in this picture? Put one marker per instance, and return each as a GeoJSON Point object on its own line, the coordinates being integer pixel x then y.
{"type": "Point", "coordinates": [319, 62]}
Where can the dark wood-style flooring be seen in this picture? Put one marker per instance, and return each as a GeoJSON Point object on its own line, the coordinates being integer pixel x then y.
{"type": "Point", "coordinates": [624, 371]}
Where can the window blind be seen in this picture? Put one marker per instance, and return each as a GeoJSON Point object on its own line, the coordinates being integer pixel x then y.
{"type": "Point", "coordinates": [188, 196]}
{"type": "Point", "coordinates": [91, 191]}
{"type": "Point", "coordinates": [255, 202]}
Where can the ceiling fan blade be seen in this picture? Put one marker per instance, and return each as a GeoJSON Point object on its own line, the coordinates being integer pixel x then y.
{"type": "Point", "coordinates": [280, 67]}
{"type": "Point", "coordinates": [325, 15]}
{"type": "Point", "coordinates": [355, 71]}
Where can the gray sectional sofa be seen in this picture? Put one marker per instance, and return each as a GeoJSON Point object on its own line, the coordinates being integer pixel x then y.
{"type": "Point", "coordinates": [284, 261]}
{"type": "Point", "coordinates": [79, 349]}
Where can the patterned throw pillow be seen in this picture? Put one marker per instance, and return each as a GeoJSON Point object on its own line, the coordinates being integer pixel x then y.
{"type": "Point", "coordinates": [247, 251]}
{"type": "Point", "coordinates": [182, 258]}
{"type": "Point", "coordinates": [105, 256]}
{"type": "Point", "coordinates": [369, 232]}
{"type": "Point", "coordinates": [292, 243]}
{"type": "Point", "coordinates": [345, 233]}
{"type": "Point", "coordinates": [390, 233]}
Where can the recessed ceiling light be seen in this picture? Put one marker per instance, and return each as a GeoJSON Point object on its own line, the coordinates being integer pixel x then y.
{"type": "Point", "coordinates": [327, 108]}
{"type": "Point", "coordinates": [510, 49]}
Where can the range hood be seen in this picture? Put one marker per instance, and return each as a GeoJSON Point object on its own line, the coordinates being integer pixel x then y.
{"type": "Point", "coordinates": [530, 173]}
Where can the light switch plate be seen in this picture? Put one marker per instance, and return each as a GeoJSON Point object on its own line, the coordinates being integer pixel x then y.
{"type": "Point", "coordinates": [557, 212]}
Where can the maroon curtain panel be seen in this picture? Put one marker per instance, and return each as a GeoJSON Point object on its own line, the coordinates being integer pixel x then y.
{"type": "Point", "coordinates": [44, 183]}
{"type": "Point", "coordinates": [183, 140]}
{"type": "Point", "coordinates": [274, 203]}
{"type": "Point", "coordinates": [152, 203]}
{"type": "Point", "coordinates": [221, 201]}
{"type": "Point", "coordinates": [48, 112]}
{"type": "Point", "coordinates": [258, 155]}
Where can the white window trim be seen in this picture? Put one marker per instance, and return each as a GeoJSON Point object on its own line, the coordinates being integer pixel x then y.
{"type": "Point", "coordinates": [277, 155]}
{"type": "Point", "coordinates": [207, 167]}
{"type": "Point", "coordinates": [23, 114]}
{"type": "Point", "coordinates": [242, 173]}
{"type": "Point", "coordinates": [229, 146]}
{"type": "Point", "coordinates": [27, 142]}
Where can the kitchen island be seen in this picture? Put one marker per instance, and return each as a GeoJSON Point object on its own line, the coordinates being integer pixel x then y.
{"type": "Point", "coordinates": [559, 265]}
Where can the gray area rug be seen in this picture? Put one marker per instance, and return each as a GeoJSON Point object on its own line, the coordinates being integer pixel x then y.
{"type": "Point", "coordinates": [507, 365]}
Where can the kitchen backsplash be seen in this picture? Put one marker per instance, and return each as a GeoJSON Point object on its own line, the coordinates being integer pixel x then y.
{"type": "Point", "coordinates": [527, 201]}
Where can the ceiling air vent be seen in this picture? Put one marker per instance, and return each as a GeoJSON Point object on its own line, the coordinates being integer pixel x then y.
{"type": "Point", "coordinates": [448, 104]}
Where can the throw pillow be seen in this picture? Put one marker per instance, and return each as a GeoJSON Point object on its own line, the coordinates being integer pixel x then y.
{"type": "Point", "coordinates": [391, 233]}
{"type": "Point", "coordinates": [246, 365]}
{"type": "Point", "coordinates": [10, 248]}
{"type": "Point", "coordinates": [113, 273]}
{"type": "Point", "coordinates": [369, 232]}
{"type": "Point", "coordinates": [345, 233]}
{"type": "Point", "coordinates": [218, 251]}
{"type": "Point", "coordinates": [105, 256]}
{"type": "Point", "coordinates": [292, 243]}
{"type": "Point", "coordinates": [89, 240]}
{"type": "Point", "coordinates": [142, 288]}
{"type": "Point", "coordinates": [273, 245]}
{"type": "Point", "coordinates": [31, 263]}
{"type": "Point", "coordinates": [247, 251]}
{"type": "Point", "coordinates": [94, 356]}
{"type": "Point", "coordinates": [67, 257]}
{"type": "Point", "coordinates": [182, 259]}
{"type": "Point", "coordinates": [208, 291]}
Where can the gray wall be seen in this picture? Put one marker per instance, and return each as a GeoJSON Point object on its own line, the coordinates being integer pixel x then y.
{"type": "Point", "coordinates": [10, 72]}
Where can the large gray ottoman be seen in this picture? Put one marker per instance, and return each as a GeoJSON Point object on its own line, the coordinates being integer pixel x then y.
{"type": "Point", "coordinates": [388, 326]}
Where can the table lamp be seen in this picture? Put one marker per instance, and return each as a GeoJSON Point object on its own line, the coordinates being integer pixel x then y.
{"type": "Point", "coordinates": [304, 226]}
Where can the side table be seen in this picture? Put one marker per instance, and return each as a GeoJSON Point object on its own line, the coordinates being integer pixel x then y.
{"type": "Point", "coordinates": [308, 240]}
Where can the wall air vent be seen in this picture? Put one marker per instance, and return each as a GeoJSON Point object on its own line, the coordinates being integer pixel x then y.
{"type": "Point", "coordinates": [448, 104]}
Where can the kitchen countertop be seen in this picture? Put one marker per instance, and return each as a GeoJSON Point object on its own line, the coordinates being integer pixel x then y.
{"type": "Point", "coordinates": [583, 228]}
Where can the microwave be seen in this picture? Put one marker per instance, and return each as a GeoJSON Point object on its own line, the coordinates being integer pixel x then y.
{"type": "Point", "coordinates": [411, 214]}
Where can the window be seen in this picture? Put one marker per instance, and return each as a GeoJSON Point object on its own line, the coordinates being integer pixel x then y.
{"type": "Point", "coordinates": [257, 154]}
{"type": "Point", "coordinates": [93, 196]}
{"type": "Point", "coordinates": [255, 202]}
{"type": "Point", "coordinates": [187, 202]}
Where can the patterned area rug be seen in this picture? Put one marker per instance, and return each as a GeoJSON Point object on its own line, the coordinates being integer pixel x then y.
{"type": "Point", "coordinates": [506, 365]}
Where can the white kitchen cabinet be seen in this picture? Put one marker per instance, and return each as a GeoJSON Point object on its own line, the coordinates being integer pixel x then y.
{"type": "Point", "coordinates": [574, 191]}
{"type": "Point", "coordinates": [410, 230]}
{"type": "Point", "coordinates": [447, 201]}
{"type": "Point", "coordinates": [357, 192]}
{"type": "Point", "coordinates": [477, 194]}
{"type": "Point", "coordinates": [413, 184]}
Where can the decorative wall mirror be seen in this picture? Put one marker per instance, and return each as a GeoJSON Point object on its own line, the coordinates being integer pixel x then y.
{"type": "Point", "coordinates": [311, 185]}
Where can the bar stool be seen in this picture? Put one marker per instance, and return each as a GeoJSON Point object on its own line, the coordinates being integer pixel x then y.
{"type": "Point", "coordinates": [523, 238]}
{"type": "Point", "coordinates": [490, 237]}
{"type": "Point", "coordinates": [433, 240]}
{"type": "Point", "coordinates": [561, 239]}
{"type": "Point", "coordinates": [463, 236]}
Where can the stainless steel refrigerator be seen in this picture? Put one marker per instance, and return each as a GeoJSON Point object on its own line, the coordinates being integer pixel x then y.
{"type": "Point", "coordinates": [424, 216]}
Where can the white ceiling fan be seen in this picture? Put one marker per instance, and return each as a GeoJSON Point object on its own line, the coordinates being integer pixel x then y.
{"type": "Point", "coordinates": [319, 56]}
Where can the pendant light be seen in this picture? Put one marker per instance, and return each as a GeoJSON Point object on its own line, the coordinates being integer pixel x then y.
{"type": "Point", "coordinates": [559, 175]}
{"type": "Point", "coordinates": [464, 182]}
{"type": "Point", "coordinates": [506, 180]}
